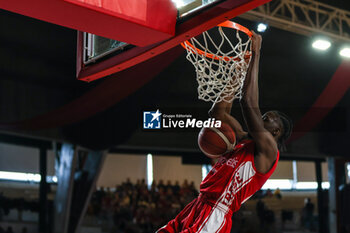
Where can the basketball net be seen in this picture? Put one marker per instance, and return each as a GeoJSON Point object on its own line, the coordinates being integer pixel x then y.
{"type": "Point", "coordinates": [220, 75]}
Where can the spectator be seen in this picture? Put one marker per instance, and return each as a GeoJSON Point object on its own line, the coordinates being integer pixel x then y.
{"type": "Point", "coordinates": [128, 183]}
{"type": "Point", "coordinates": [143, 183]}
{"type": "Point", "coordinates": [161, 185]}
{"type": "Point", "coordinates": [268, 193]}
{"type": "Point", "coordinates": [277, 193]}
{"type": "Point", "coordinates": [135, 208]}
{"type": "Point", "coordinates": [169, 185]}
{"type": "Point", "coordinates": [185, 184]}
{"type": "Point", "coordinates": [307, 214]}
{"type": "Point", "coordinates": [176, 188]}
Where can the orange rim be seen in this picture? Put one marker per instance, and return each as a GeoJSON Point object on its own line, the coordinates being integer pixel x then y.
{"type": "Point", "coordinates": [228, 24]}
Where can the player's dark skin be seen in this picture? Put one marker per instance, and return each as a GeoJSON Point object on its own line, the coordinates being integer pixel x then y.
{"type": "Point", "coordinates": [265, 130]}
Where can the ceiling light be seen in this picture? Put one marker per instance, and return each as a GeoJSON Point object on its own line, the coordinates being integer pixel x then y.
{"type": "Point", "coordinates": [179, 3]}
{"type": "Point", "coordinates": [262, 27]}
{"type": "Point", "coordinates": [345, 52]}
{"type": "Point", "coordinates": [321, 44]}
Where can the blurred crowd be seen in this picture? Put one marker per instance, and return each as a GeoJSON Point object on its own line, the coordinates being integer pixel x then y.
{"type": "Point", "coordinates": [9, 230]}
{"type": "Point", "coordinates": [137, 208]}
{"type": "Point", "coordinates": [21, 204]}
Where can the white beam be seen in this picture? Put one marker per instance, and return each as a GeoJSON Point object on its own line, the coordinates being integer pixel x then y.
{"type": "Point", "coordinates": [306, 17]}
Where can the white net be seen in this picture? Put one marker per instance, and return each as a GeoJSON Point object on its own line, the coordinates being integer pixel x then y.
{"type": "Point", "coordinates": [221, 67]}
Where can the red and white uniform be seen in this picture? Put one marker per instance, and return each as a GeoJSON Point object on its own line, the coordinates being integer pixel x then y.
{"type": "Point", "coordinates": [231, 182]}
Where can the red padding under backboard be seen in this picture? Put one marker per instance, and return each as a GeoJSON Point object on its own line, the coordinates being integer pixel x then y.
{"type": "Point", "coordinates": [137, 22]}
{"type": "Point", "coordinates": [157, 14]}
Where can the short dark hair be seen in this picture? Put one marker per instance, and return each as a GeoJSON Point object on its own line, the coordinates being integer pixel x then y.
{"type": "Point", "coordinates": [287, 125]}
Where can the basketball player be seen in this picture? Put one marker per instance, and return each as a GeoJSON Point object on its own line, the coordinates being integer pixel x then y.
{"type": "Point", "coordinates": [238, 174]}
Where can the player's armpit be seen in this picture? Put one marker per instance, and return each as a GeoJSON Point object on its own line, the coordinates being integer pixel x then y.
{"type": "Point", "coordinates": [266, 145]}
{"type": "Point", "coordinates": [266, 153]}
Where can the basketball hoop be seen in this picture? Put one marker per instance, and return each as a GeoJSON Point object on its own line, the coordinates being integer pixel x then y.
{"type": "Point", "coordinates": [220, 73]}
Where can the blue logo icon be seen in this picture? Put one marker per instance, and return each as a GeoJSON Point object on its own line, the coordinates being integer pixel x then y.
{"type": "Point", "coordinates": [151, 120]}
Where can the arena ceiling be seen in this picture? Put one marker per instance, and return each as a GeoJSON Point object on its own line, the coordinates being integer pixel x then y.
{"type": "Point", "coordinates": [38, 66]}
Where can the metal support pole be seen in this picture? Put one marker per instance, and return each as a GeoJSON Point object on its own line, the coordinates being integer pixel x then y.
{"type": "Point", "coordinates": [320, 203]}
{"type": "Point", "coordinates": [332, 195]}
{"type": "Point", "coordinates": [43, 191]}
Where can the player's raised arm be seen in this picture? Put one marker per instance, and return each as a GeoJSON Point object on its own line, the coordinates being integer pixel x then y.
{"type": "Point", "coordinates": [265, 139]}
{"type": "Point", "coordinates": [222, 111]}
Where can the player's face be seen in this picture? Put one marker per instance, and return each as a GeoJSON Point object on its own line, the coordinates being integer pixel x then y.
{"type": "Point", "coordinates": [271, 122]}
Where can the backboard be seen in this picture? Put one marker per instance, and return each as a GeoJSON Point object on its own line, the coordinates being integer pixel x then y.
{"type": "Point", "coordinates": [97, 48]}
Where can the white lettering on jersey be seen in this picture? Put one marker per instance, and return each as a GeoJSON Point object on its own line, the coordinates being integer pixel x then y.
{"type": "Point", "coordinates": [242, 176]}
{"type": "Point", "coordinates": [232, 162]}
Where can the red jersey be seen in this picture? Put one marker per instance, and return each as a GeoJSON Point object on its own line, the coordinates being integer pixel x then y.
{"type": "Point", "coordinates": [234, 178]}
{"type": "Point", "coordinates": [231, 182]}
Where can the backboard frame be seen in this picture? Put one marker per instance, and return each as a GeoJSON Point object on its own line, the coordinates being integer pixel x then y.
{"type": "Point", "coordinates": [191, 27]}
